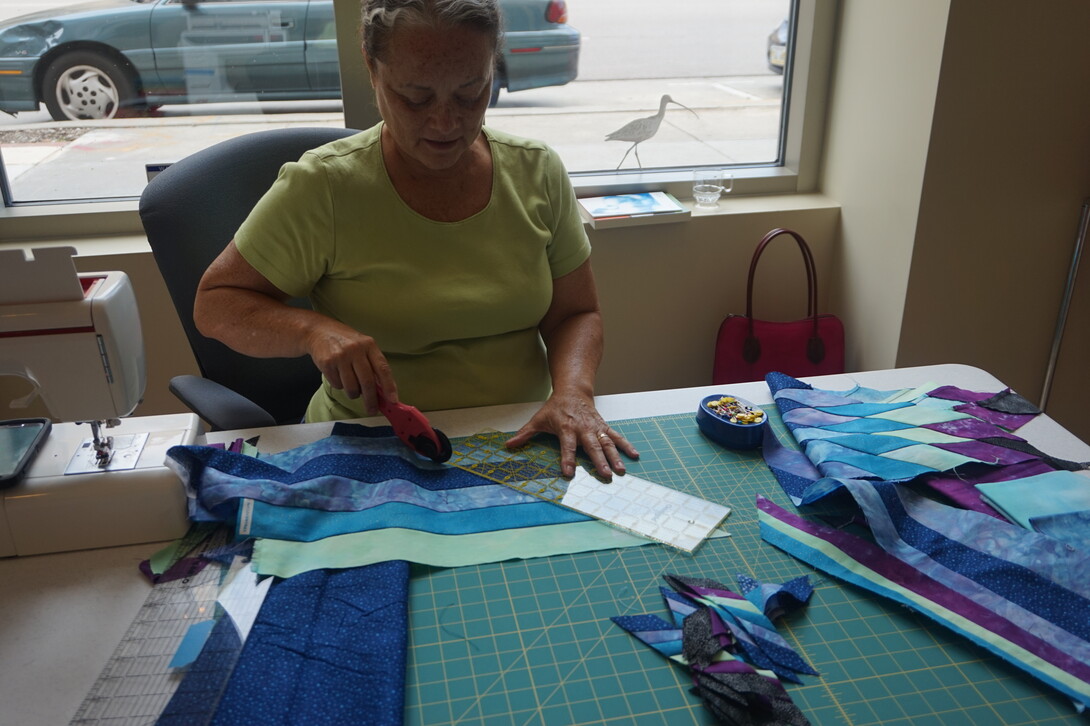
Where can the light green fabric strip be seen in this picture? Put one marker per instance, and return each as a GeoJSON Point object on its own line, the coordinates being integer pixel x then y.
{"type": "Point", "coordinates": [929, 456]}
{"type": "Point", "coordinates": [165, 558]}
{"type": "Point", "coordinates": [286, 559]}
{"type": "Point", "coordinates": [161, 561]}
{"type": "Point", "coordinates": [922, 435]}
{"type": "Point", "coordinates": [921, 414]}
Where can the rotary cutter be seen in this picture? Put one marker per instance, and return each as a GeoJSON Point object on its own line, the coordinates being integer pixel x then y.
{"type": "Point", "coordinates": [414, 430]}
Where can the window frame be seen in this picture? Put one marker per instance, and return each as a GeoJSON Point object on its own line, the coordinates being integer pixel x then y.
{"type": "Point", "coordinates": [806, 86]}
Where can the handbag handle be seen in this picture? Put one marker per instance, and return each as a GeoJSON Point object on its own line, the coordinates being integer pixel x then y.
{"type": "Point", "coordinates": [815, 347]}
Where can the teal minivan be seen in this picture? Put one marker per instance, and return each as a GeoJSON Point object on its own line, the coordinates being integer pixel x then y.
{"type": "Point", "coordinates": [110, 58]}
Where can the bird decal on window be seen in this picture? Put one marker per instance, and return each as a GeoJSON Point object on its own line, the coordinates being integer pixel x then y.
{"type": "Point", "coordinates": [642, 129]}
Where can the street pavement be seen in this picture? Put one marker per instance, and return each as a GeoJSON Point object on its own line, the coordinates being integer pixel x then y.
{"type": "Point", "coordinates": [732, 120]}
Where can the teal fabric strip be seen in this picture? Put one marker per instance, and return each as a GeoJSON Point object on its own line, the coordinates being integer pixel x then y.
{"type": "Point", "coordinates": [261, 519]}
{"type": "Point", "coordinates": [1057, 492]}
{"type": "Point", "coordinates": [922, 414]}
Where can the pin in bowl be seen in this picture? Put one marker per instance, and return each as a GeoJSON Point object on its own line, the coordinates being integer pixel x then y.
{"type": "Point", "coordinates": [731, 421]}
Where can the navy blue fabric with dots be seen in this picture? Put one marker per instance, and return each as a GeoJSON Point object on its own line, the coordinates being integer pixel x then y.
{"type": "Point", "coordinates": [328, 648]}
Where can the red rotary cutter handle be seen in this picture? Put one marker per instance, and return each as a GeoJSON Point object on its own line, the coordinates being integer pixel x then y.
{"type": "Point", "coordinates": [413, 428]}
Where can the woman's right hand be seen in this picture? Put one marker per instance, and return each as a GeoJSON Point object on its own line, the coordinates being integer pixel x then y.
{"type": "Point", "coordinates": [351, 362]}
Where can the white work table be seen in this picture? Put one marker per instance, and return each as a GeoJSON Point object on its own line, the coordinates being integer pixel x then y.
{"type": "Point", "coordinates": [61, 615]}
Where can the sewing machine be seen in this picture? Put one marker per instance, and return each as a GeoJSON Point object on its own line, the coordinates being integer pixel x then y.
{"type": "Point", "coordinates": [98, 479]}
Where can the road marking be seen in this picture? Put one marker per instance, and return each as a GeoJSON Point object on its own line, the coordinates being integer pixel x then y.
{"type": "Point", "coordinates": [735, 92]}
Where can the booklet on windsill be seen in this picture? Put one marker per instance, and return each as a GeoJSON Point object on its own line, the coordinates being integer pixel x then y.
{"type": "Point", "coordinates": [625, 209]}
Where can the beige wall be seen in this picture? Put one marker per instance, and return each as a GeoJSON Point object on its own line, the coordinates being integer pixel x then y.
{"type": "Point", "coordinates": [1007, 170]}
{"type": "Point", "coordinates": [665, 288]}
{"type": "Point", "coordinates": [884, 83]}
{"type": "Point", "coordinates": [958, 144]}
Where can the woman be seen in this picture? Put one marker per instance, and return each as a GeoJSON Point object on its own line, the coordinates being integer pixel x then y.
{"type": "Point", "coordinates": [446, 262]}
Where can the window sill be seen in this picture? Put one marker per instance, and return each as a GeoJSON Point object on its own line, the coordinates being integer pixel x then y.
{"type": "Point", "coordinates": [753, 181]}
{"type": "Point", "coordinates": [71, 221]}
{"type": "Point", "coordinates": [87, 219]}
{"type": "Point", "coordinates": [114, 228]}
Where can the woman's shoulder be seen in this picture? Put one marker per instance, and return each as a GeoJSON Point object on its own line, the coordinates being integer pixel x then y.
{"type": "Point", "coordinates": [515, 155]}
{"type": "Point", "coordinates": [350, 149]}
{"type": "Point", "coordinates": [516, 144]}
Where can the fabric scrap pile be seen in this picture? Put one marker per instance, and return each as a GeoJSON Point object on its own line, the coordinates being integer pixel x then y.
{"type": "Point", "coordinates": [911, 461]}
{"type": "Point", "coordinates": [730, 645]}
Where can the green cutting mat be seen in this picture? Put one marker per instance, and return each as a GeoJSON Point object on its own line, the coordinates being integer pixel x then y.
{"type": "Point", "coordinates": [530, 642]}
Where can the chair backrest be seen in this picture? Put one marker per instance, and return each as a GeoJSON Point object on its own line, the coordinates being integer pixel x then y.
{"type": "Point", "coordinates": [190, 212]}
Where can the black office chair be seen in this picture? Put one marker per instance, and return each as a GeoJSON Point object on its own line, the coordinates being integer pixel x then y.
{"type": "Point", "coordinates": [190, 212]}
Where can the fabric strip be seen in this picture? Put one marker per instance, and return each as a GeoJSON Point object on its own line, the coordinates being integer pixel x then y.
{"type": "Point", "coordinates": [307, 525]}
{"type": "Point", "coordinates": [284, 558]}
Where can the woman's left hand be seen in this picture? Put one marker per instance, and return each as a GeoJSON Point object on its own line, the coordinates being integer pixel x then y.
{"type": "Point", "coordinates": [575, 421]}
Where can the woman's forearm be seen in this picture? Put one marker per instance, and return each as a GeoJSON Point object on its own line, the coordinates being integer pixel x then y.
{"type": "Point", "coordinates": [575, 352]}
{"type": "Point", "coordinates": [254, 323]}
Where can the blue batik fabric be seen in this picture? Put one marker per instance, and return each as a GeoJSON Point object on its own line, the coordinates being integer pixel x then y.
{"type": "Point", "coordinates": [1020, 594]}
{"type": "Point", "coordinates": [356, 479]}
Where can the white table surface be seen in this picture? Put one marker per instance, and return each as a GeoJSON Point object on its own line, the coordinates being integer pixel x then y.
{"type": "Point", "coordinates": [62, 615]}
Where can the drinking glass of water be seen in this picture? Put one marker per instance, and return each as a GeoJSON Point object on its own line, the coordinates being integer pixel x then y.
{"type": "Point", "coordinates": [709, 184]}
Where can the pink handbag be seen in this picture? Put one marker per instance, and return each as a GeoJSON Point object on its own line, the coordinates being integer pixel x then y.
{"type": "Point", "coordinates": [746, 348]}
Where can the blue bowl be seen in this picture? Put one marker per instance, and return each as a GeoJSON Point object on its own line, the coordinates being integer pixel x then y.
{"type": "Point", "coordinates": [716, 424]}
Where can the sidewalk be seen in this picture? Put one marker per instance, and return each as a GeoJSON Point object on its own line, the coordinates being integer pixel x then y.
{"type": "Point", "coordinates": [732, 120]}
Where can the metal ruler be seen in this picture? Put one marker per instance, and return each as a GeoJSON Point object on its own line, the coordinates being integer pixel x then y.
{"type": "Point", "coordinates": [137, 682]}
{"type": "Point", "coordinates": [633, 504]}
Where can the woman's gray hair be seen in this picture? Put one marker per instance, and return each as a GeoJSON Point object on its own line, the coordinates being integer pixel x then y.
{"type": "Point", "coordinates": [381, 17]}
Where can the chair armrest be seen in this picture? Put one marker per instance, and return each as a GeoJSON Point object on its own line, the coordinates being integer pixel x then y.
{"type": "Point", "coordinates": [219, 406]}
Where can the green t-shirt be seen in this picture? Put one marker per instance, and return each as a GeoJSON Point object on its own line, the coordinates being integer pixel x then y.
{"type": "Point", "coordinates": [453, 306]}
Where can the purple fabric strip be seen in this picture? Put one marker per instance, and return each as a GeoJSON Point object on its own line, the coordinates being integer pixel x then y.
{"type": "Point", "coordinates": [953, 393]}
{"type": "Point", "coordinates": [967, 428]}
{"type": "Point", "coordinates": [988, 453]}
{"type": "Point", "coordinates": [726, 666]}
{"type": "Point", "coordinates": [185, 567]}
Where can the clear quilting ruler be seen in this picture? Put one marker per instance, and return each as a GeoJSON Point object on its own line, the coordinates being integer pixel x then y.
{"type": "Point", "coordinates": [628, 502]}
{"type": "Point", "coordinates": [137, 682]}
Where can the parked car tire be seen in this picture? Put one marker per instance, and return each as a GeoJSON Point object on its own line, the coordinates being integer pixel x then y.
{"type": "Point", "coordinates": [88, 85]}
{"type": "Point", "coordinates": [114, 58]}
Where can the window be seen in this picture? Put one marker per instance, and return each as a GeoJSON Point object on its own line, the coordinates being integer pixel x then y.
{"type": "Point", "coordinates": [248, 64]}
